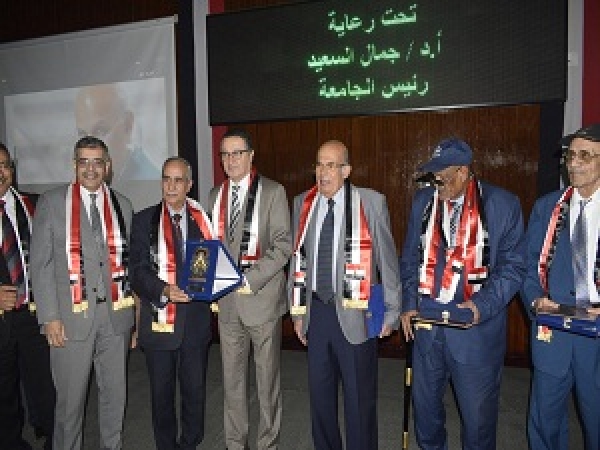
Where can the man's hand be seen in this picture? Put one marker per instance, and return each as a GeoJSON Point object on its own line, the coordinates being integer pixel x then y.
{"type": "Point", "coordinates": [8, 297]}
{"type": "Point", "coordinates": [544, 303]}
{"type": "Point", "coordinates": [55, 333]}
{"type": "Point", "coordinates": [386, 330]}
{"type": "Point", "coordinates": [298, 330]}
{"type": "Point", "coordinates": [174, 294]}
{"type": "Point", "coordinates": [406, 325]}
{"type": "Point", "coordinates": [473, 307]}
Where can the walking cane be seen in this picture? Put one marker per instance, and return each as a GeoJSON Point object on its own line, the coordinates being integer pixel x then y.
{"type": "Point", "coordinates": [407, 392]}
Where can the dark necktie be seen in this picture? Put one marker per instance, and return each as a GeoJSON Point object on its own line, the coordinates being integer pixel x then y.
{"type": "Point", "coordinates": [454, 208]}
{"type": "Point", "coordinates": [96, 223]}
{"type": "Point", "coordinates": [234, 213]}
{"type": "Point", "coordinates": [325, 289]}
{"type": "Point", "coordinates": [178, 239]}
{"type": "Point", "coordinates": [12, 255]}
{"type": "Point", "coordinates": [580, 257]}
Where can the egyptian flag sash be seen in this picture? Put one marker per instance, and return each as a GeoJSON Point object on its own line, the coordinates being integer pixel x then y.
{"type": "Point", "coordinates": [357, 249]}
{"type": "Point", "coordinates": [298, 262]}
{"type": "Point", "coordinates": [24, 209]}
{"type": "Point", "coordinates": [469, 256]}
{"type": "Point", "coordinates": [358, 252]}
{"type": "Point", "coordinates": [162, 253]}
{"type": "Point", "coordinates": [118, 252]}
{"type": "Point", "coordinates": [558, 222]}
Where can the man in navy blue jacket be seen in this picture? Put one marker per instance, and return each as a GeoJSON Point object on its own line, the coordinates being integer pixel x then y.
{"type": "Point", "coordinates": [564, 361]}
{"type": "Point", "coordinates": [463, 250]}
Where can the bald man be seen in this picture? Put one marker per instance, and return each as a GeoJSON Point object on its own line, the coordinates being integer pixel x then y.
{"type": "Point", "coordinates": [101, 111]}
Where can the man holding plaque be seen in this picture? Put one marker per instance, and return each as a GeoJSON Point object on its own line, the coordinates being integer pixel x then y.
{"type": "Point", "coordinates": [174, 332]}
{"type": "Point", "coordinates": [463, 258]}
{"type": "Point", "coordinates": [79, 252]}
{"type": "Point", "coordinates": [342, 246]}
{"type": "Point", "coordinates": [562, 271]}
{"type": "Point", "coordinates": [251, 217]}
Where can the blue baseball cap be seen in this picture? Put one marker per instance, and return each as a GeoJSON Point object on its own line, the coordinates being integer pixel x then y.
{"type": "Point", "coordinates": [449, 152]}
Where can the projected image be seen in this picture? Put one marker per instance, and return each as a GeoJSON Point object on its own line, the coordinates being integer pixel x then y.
{"type": "Point", "coordinates": [130, 117]}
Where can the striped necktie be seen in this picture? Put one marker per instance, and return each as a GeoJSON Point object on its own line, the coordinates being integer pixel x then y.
{"type": "Point", "coordinates": [12, 255]}
{"type": "Point", "coordinates": [454, 208]}
{"type": "Point", "coordinates": [234, 213]}
{"type": "Point", "coordinates": [325, 289]}
{"type": "Point", "coordinates": [580, 256]}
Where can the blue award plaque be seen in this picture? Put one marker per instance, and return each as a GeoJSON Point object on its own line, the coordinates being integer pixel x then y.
{"type": "Point", "coordinates": [432, 312]}
{"type": "Point", "coordinates": [375, 311]}
{"type": "Point", "coordinates": [209, 271]}
{"type": "Point", "coordinates": [570, 319]}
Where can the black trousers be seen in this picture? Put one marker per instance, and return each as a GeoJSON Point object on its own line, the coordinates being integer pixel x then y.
{"type": "Point", "coordinates": [24, 360]}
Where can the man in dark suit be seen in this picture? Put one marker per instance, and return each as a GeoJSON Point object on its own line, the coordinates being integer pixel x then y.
{"type": "Point", "coordinates": [79, 252]}
{"type": "Point", "coordinates": [174, 333]}
{"type": "Point", "coordinates": [562, 269]}
{"type": "Point", "coordinates": [463, 248]}
{"type": "Point", "coordinates": [253, 221]}
{"type": "Point", "coordinates": [342, 241]}
{"type": "Point", "coordinates": [24, 353]}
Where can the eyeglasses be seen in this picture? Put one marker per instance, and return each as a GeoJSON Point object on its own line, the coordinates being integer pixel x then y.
{"type": "Point", "coordinates": [328, 166]}
{"type": "Point", "coordinates": [584, 156]}
{"type": "Point", "coordinates": [236, 154]}
{"type": "Point", "coordinates": [441, 180]}
{"type": "Point", "coordinates": [5, 165]}
{"type": "Point", "coordinates": [96, 163]}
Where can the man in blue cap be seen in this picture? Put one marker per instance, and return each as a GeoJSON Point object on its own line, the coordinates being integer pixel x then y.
{"type": "Point", "coordinates": [462, 254]}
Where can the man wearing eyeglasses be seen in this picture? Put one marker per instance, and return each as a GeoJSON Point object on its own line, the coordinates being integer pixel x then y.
{"type": "Point", "coordinates": [24, 354]}
{"type": "Point", "coordinates": [462, 257]}
{"type": "Point", "coordinates": [562, 270]}
{"type": "Point", "coordinates": [79, 252]}
{"type": "Point", "coordinates": [342, 246]}
{"type": "Point", "coordinates": [250, 214]}
{"type": "Point", "coordinates": [101, 111]}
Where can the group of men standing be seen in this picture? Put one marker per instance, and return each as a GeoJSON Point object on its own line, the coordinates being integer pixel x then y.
{"type": "Point", "coordinates": [84, 260]}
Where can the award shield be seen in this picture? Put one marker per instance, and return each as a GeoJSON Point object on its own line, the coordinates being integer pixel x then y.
{"type": "Point", "coordinates": [570, 319]}
{"type": "Point", "coordinates": [445, 314]}
{"type": "Point", "coordinates": [209, 271]}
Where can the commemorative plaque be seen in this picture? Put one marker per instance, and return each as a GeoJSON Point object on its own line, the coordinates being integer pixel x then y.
{"type": "Point", "coordinates": [570, 319]}
{"type": "Point", "coordinates": [209, 271]}
{"type": "Point", "coordinates": [444, 314]}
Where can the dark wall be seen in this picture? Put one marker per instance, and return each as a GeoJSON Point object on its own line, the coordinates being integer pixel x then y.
{"type": "Point", "coordinates": [385, 150]}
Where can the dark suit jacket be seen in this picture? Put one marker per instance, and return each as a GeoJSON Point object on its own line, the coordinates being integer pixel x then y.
{"type": "Point", "coordinates": [145, 282]}
{"type": "Point", "coordinates": [485, 342]}
{"type": "Point", "coordinates": [4, 273]}
{"type": "Point", "coordinates": [554, 357]}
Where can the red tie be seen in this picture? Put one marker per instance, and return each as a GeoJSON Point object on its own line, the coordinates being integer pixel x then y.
{"type": "Point", "coordinates": [12, 256]}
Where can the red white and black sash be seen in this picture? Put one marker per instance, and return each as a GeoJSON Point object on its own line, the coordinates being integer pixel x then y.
{"type": "Point", "coordinates": [558, 222]}
{"type": "Point", "coordinates": [116, 239]}
{"type": "Point", "coordinates": [249, 245]}
{"type": "Point", "coordinates": [162, 250]}
{"type": "Point", "coordinates": [24, 210]}
{"type": "Point", "coordinates": [357, 249]}
{"type": "Point", "coordinates": [470, 256]}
